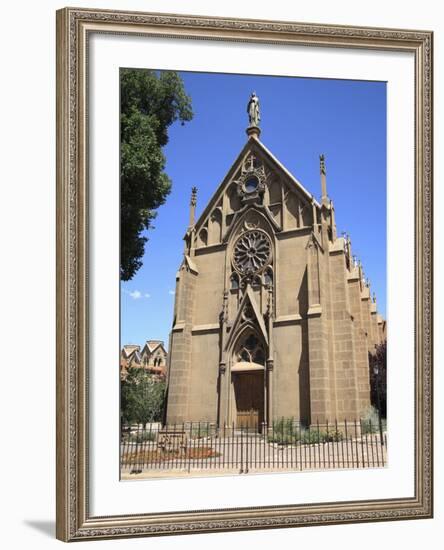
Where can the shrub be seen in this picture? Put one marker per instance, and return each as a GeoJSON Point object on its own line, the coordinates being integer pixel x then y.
{"type": "Point", "coordinates": [286, 431]}
{"type": "Point", "coordinates": [333, 436]}
{"type": "Point", "coordinates": [313, 436]}
{"type": "Point", "coordinates": [142, 436]}
{"type": "Point", "coordinates": [200, 430]}
{"type": "Point", "coordinates": [370, 421]}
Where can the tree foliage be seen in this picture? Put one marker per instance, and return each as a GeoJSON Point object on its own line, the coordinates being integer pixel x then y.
{"type": "Point", "coordinates": [378, 382]}
{"type": "Point", "coordinates": [142, 397]}
{"type": "Point", "coordinates": [150, 102]}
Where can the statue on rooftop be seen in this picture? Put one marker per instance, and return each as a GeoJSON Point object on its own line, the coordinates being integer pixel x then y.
{"type": "Point", "coordinates": [254, 116]}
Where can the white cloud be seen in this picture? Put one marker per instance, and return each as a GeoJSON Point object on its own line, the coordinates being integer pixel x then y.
{"type": "Point", "coordinates": [136, 294]}
{"type": "Point", "coordinates": [171, 292]}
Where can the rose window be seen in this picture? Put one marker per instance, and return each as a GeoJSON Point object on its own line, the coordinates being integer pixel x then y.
{"type": "Point", "coordinates": [252, 252]}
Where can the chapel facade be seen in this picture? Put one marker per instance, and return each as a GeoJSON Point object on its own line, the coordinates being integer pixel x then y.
{"type": "Point", "coordinates": [273, 316]}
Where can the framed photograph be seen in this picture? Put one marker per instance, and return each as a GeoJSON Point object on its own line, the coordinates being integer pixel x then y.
{"type": "Point", "coordinates": [244, 274]}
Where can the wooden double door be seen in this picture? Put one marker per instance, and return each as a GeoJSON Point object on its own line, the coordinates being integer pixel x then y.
{"type": "Point", "coordinates": [249, 398]}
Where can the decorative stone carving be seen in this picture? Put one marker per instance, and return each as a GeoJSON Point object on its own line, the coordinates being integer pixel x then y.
{"type": "Point", "coordinates": [251, 182]}
{"type": "Point", "coordinates": [322, 164]}
{"type": "Point", "coordinates": [224, 312]}
{"type": "Point", "coordinates": [252, 221]}
{"type": "Point", "coordinates": [252, 252]}
{"type": "Point", "coordinates": [248, 313]}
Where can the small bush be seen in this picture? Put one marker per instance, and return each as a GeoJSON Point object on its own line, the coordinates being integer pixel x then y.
{"type": "Point", "coordinates": [333, 436]}
{"type": "Point", "coordinates": [370, 421]}
{"type": "Point", "coordinates": [313, 436]}
{"type": "Point", "coordinates": [141, 437]}
{"type": "Point", "coordinates": [282, 439]}
{"type": "Point", "coordinates": [286, 432]}
{"type": "Point", "coordinates": [201, 430]}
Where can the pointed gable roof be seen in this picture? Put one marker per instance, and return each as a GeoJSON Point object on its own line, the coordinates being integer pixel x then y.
{"type": "Point", "coordinates": [135, 358]}
{"type": "Point", "coordinates": [253, 145]}
{"type": "Point", "coordinates": [129, 349]}
{"type": "Point", "coordinates": [247, 299]}
{"type": "Point", "coordinates": [152, 345]}
{"type": "Point", "coordinates": [290, 176]}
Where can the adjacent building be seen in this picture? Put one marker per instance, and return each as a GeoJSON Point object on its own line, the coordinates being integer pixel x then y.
{"type": "Point", "coordinates": [152, 357]}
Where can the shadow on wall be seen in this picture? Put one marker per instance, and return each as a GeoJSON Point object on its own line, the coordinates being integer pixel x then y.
{"type": "Point", "coordinates": [304, 371]}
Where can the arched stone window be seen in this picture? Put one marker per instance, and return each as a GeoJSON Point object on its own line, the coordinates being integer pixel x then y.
{"type": "Point", "coordinates": [256, 283]}
{"type": "Point", "coordinates": [234, 281]}
{"type": "Point", "coordinates": [234, 199]}
{"type": "Point", "coordinates": [274, 190]}
{"type": "Point", "coordinates": [268, 276]}
{"type": "Point", "coordinates": [250, 349]}
{"type": "Point", "coordinates": [203, 237]}
{"type": "Point", "coordinates": [215, 227]}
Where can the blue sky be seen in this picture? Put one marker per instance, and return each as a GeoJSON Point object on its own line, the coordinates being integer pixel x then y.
{"type": "Point", "coordinates": [301, 118]}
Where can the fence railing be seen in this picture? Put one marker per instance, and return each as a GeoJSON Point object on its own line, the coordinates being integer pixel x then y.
{"type": "Point", "coordinates": [202, 446]}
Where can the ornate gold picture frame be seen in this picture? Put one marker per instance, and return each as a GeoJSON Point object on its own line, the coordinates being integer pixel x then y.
{"type": "Point", "coordinates": [74, 210]}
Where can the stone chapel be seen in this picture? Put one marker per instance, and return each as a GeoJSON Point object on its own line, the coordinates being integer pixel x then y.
{"type": "Point", "coordinates": [273, 316]}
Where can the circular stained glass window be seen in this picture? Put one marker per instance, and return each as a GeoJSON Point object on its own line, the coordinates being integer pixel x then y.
{"type": "Point", "coordinates": [252, 252]}
{"type": "Point", "coordinates": [251, 184]}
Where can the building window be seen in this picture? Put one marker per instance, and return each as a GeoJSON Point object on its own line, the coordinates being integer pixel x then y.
{"type": "Point", "coordinates": [256, 284]}
{"type": "Point", "coordinates": [251, 342]}
{"type": "Point", "coordinates": [234, 282]}
{"type": "Point", "coordinates": [251, 350]}
{"type": "Point", "coordinates": [259, 356]}
{"type": "Point", "coordinates": [252, 252]}
{"type": "Point", "coordinates": [268, 277]}
{"type": "Point", "coordinates": [251, 184]}
{"type": "Point", "coordinates": [203, 237]}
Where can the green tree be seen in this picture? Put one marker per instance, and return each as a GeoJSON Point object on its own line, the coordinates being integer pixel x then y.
{"type": "Point", "coordinates": [150, 102]}
{"type": "Point", "coordinates": [142, 397]}
{"type": "Point", "coordinates": [378, 382]}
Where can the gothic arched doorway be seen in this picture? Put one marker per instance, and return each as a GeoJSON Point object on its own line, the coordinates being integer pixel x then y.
{"type": "Point", "coordinates": [248, 371]}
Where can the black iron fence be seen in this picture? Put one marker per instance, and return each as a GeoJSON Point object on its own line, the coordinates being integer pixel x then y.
{"type": "Point", "coordinates": [285, 444]}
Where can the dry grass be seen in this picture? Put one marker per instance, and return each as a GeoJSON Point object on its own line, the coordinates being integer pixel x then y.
{"type": "Point", "coordinates": [145, 457]}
